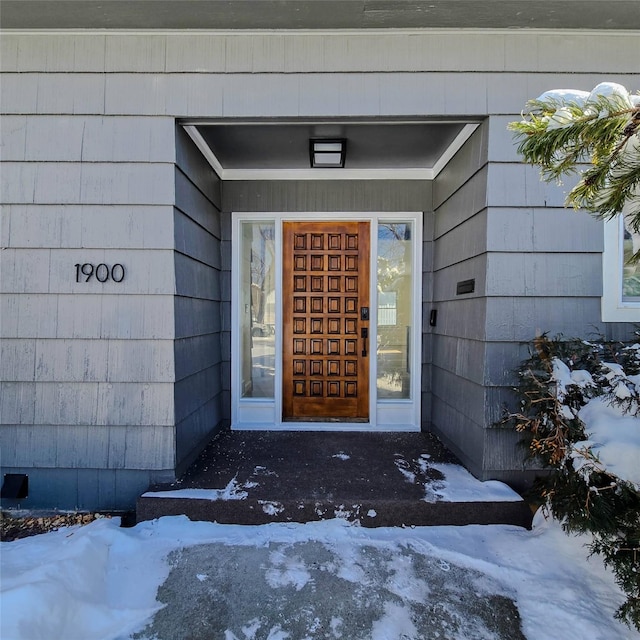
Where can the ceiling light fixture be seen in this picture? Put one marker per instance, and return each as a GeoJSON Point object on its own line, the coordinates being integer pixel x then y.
{"type": "Point", "coordinates": [327, 153]}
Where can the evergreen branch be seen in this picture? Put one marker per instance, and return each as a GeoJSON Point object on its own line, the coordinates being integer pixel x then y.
{"type": "Point", "coordinates": [579, 490]}
{"type": "Point", "coordinates": [604, 134]}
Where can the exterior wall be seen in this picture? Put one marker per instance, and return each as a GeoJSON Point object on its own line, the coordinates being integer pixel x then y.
{"type": "Point", "coordinates": [543, 274]}
{"type": "Point", "coordinates": [347, 196]}
{"type": "Point", "coordinates": [198, 302]}
{"type": "Point", "coordinates": [458, 339]}
{"type": "Point", "coordinates": [537, 268]}
{"type": "Point", "coordinates": [295, 74]}
{"type": "Point", "coordinates": [327, 195]}
{"type": "Point", "coordinates": [86, 369]}
{"type": "Point", "coordinates": [95, 376]}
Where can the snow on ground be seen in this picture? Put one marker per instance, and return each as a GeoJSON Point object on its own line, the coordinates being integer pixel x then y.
{"type": "Point", "coordinates": [101, 582]}
{"type": "Point", "coordinates": [458, 485]}
{"type": "Point", "coordinates": [232, 491]}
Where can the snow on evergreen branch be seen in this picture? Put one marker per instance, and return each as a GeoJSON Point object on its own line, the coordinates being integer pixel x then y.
{"type": "Point", "coordinates": [595, 135]}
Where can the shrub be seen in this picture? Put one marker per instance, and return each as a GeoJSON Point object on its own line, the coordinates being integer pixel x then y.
{"type": "Point", "coordinates": [586, 489]}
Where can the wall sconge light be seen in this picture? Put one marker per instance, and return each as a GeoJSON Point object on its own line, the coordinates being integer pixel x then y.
{"type": "Point", "coordinates": [326, 153]}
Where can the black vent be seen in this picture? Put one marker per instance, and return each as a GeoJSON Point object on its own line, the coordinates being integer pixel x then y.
{"type": "Point", "coordinates": [465, 286]}
{"type": "Point", "coordinates": [15, 486]}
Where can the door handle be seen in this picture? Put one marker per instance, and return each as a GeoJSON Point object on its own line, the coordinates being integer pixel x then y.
{"type": "Point", "coordinates": [364, 334]}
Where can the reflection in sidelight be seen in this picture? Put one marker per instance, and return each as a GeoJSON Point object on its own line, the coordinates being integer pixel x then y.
{"type": "Point", "coordinates": [395, 286]}
{"type": "Point", "coordinates": [257, 310]}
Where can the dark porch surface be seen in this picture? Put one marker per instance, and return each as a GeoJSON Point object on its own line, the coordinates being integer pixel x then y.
{"type": "Point", "coordinates": [378, 479]}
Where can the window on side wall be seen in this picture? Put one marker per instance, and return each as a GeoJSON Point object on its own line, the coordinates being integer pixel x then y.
{"type": "Point", "coordinates": [621, 280]}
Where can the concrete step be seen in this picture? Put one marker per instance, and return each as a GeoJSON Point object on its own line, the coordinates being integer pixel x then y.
{"type": "Point", "coordinates": [377, 479]}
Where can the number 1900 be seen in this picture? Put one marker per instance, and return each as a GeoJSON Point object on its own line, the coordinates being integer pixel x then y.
{"type": "Point", "coordinates": [101, 272]}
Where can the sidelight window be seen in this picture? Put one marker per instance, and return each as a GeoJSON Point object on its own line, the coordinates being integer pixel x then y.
{"type": "Point", "coordinates": [257, 311]}
{"type": "Point", "coordinates": [386, 346]}
{"type": "Point", "coordinates": [395, 309]}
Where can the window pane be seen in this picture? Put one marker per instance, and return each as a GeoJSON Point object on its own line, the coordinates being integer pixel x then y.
{"type": "Point", "coordinates": [395, 287]}
{"type": "Point", "coordinates": [257, 310]}
{"type": "Point", "coordinates": [631, 268]}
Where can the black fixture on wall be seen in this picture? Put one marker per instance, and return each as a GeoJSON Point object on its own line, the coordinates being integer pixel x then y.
{"type": "Point", "coordinates": [465, 286]}
{"type": "Point", "coordinates": [327, 153]}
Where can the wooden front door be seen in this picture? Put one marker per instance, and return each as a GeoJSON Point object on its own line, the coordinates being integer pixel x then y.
{"type": "Point", "coordinates": [325, 288]}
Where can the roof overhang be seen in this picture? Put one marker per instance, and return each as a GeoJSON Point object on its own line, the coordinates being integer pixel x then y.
{"type": "Point", "coordinates": [279, 150]}
{"type": "Point", "coordinates": [319, 14]}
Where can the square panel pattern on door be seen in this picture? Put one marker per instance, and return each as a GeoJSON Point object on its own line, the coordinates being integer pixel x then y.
{"type": "Point", "coordinates": [325, 285]}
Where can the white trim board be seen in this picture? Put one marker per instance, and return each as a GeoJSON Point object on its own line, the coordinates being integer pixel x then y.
{"type": "Point", "coordinates": [385, 414]}
{"type": "Point", "coordinates": [614, 309]}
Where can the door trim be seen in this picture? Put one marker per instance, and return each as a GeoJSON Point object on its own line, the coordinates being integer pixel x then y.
{"type": "Point", "coordinates": [384, 415]}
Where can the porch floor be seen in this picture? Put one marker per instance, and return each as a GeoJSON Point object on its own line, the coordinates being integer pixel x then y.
{"type": "Point", "coordinates": [378, 479]}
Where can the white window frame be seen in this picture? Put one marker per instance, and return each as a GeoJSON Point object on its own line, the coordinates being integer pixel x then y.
{"type": "Point", "coordinates": [614, 307]}
{"type": "Point", "coordinates": [384, 415]}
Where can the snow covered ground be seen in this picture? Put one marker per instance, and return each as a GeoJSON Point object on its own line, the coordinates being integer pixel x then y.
{"type": "Point", "coordinates": [172, 579]}
{"type": "Point", "coordinates": [101, 581]}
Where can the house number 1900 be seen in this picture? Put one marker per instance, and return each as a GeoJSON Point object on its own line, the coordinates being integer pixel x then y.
{"type": "Point", "coordinates": [101, 272]}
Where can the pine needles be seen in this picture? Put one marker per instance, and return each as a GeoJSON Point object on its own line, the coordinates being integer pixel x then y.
{"type": "Point", "coordinates": [598, 140]}
{"type": "Point", "coordinates": [558, 379]}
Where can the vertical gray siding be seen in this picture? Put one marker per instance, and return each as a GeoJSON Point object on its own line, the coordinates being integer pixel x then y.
{"type": "Point", "coordinates": [199, 369]}
{"type": "Point", "coordinates": [327, 195]}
